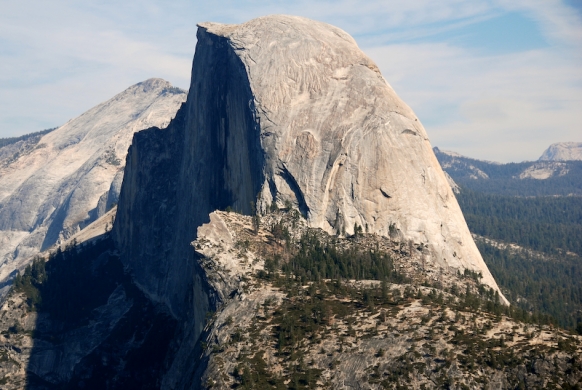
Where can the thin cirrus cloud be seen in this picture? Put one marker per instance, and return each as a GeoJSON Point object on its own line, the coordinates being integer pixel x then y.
{"type": "Point", "coordinates": [495, 79]}
{"type": "Point", "coordinates": [502, 88]}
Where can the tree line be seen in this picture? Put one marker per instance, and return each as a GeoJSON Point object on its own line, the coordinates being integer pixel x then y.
{"type": "Point", "coordinates": [547, 224]}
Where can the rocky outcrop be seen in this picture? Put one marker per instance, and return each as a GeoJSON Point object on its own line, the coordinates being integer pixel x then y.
{"type": "Point", "coordinates": [454, 186]}
{"type": "Point", "coordinates": [273, 331]}
{"type": "Point", "coordinates": [544, 170]}
{"type": "Point", "coordinates": [563, 151]}
{"type": "Point", "coordinates": [423, 326]}
{"type": "Point", "coordinates": [340, 144]}
{"type": "Point", "coordinates": [455, 161]}
{"type": "Point", "coordinates": [289, 111]}
{"type": "Point", "coordinates": [58, 184]}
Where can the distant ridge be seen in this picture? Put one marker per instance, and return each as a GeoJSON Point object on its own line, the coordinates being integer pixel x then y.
{"type": "Point", "coordinates": [563, 151]}
{"type": "Point", "coordinates": [528, 178]}
{"type": "Point", "coordinates": [55, 182]}
{"type": "Point", "coordinates": [13, 140]}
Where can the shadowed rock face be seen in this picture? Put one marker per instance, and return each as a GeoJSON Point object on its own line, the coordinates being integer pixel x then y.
{"type": "Point", "coordinates": [208, 158]}
{"type": "Point", "coordinates": [51, 189]}
{"type": "Point", "coordinates": [338, 141]}
{"type": "Point", "coordinates": [282, 109]}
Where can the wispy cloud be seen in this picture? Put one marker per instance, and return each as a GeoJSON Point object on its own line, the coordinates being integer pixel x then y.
{"type": "Point", "coordinates": [504, 107]}
{"type": "Point", "coordinates": [474, 94]}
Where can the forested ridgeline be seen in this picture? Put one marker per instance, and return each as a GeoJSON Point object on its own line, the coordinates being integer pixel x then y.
{"type": "Point", "coordinates": [567, 185]}
{"type": "Point", "coordinates": [547, 281]}
{"type": "Point", "coordinates": [316, 261]}
{"type": "Point", "coordinates": [547, 224]}
{"type": "Point", "coordinates": [550, 285]}
{"type": "Point", "coordinates": [547, 209]}
{"type": "Point", "coordinates": [13, 140]}
{"type": "Point", "coordinates": [504, 179]}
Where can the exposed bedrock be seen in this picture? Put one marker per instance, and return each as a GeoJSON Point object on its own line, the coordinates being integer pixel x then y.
{"type": "Point", "coordinates": [54, 185]}
{"type": "Point", "coordinates": [339, 143]}
{"type": "Point", "coordinates": [208, 158]}
{"type": "Point", "coordinates": [282, 109]}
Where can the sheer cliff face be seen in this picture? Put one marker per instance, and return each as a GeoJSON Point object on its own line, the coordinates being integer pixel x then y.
{"type": "Point", "coordinates": [72, 175]}
{"type": "Point", "coordinates": [208, 158]}
{"type": "Point", "coordinates": [284, 109]}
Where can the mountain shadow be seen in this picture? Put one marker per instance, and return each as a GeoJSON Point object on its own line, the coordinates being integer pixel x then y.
{"type": "Point", "coordinates": [94, 329]}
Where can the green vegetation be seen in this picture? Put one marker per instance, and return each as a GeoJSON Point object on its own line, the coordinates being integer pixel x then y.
{"type": "Point", "coordinates": [30, 282]}
{"type": "Point", "coordinates": [173, 91]}
{"type": "Point", "coordinates": [320, 270]}
{"type": "Point", "coordinates": [65, 286]}
{"type": "Point", "coordinates": [547, 224]}
{"type": "Point", "coordinates": [324, 300]}
{"type": "Point", "coordinates": [316, 260]}
{"type": "Point", "coordinates": [552, 286]}
{"type": "Point", "coordinates": [310, 278]}
{"type": "Point", "coordinates": [547, 281]}
{"type": "Point", "coordinates": [546, 209]}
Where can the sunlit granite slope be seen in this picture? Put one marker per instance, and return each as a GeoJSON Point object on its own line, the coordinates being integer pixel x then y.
{"type": "Point", "coordinates": [71, 176]}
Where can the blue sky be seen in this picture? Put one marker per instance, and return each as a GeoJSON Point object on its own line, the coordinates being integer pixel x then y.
{"type": "Point", "coordinates": [496, 80]}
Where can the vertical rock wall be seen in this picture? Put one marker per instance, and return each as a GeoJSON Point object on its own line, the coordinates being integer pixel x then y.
{"type": "Point", "coordinates": [208, 158]}
{"type": "Point", "coordinates": [55, 187]}
{"type": "Point", "coordinates": [341, 145]}
{"type": "Point", "coordinates": [281, 109]}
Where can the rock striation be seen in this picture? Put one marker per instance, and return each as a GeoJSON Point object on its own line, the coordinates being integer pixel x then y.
{"type": "Point", "coordinates": [285, 109]}
{"type": "Point", "coordinates": [288, 111]}
{"type": "Point", "coordinates": [55, 186]}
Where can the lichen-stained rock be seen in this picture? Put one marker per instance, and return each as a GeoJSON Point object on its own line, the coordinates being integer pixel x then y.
{"type": "Point", "coordinates": [339, 142]}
